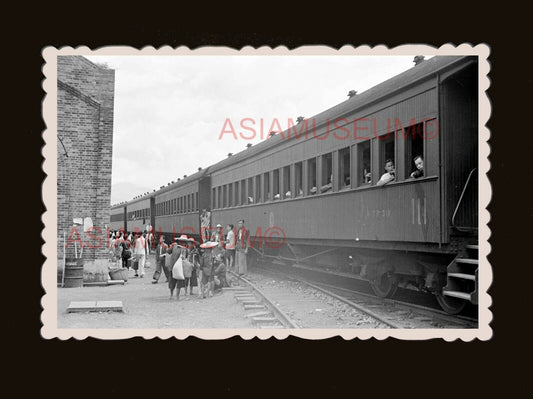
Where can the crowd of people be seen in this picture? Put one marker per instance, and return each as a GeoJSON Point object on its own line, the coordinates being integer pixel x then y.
{"type": "Point", "coordinates": [184, 262]}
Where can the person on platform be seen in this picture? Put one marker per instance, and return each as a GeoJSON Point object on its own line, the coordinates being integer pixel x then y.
{"type": "Point", "coordinates": [230, 250]}
{"type": "Point", "coordinates": [160, 257]}
{"type": "Point", "coordinates": [241, 249]}
{"type": "Point", "coordinates": [206, 266]}
{"type": "Point", "coordinates": [126, 251]}
{"type": "Point", "coordinates": [219, 234]}
{"type": "Point", "coordinates": [140, 254]}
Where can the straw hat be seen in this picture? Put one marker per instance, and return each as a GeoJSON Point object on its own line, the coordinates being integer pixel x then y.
{"type": "Point", "coordinates": [209, 245]}
{"type": "Point", "coordinates": [183, 237]}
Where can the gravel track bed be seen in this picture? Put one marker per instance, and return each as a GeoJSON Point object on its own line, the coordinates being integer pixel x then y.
{"type": "Point", "coordinates": [310, 308]}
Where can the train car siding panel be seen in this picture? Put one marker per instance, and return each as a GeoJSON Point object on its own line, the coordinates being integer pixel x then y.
{"type": "Point", "coordinates": [185, 223]}
{"type": "Point", "coordinates": [117, 218]}
{"type": "Point", "coordinates": [138, 223]}
{"type": "Point", "coordinates": [399, 212]}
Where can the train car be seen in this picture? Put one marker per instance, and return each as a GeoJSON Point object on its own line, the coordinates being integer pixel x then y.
{"type": "Point", "coordinates": [139, 213]}
{"type": "Point", "coordinates": [177, 206]}
{"type": "Point", "coordinates": [309, 194]}
{"type": "Point", "coordinates": [118, 217]}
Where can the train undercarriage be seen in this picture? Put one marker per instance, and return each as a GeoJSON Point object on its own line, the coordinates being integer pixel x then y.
{"type": "Point", "coordinates": [451, 276]}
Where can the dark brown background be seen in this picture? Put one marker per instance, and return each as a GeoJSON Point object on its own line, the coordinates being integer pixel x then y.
{"type": "Point", "coordinates": [293, 366]}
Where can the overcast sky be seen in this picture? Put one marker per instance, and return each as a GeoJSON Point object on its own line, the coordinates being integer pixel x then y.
{"type": "Point", "coordinates": [170, 110]}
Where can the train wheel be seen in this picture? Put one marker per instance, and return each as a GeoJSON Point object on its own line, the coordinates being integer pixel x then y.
{"type": "Point", "coordinates": [451, 305]}
{"type": "Point", "coordinates": [386, 286]}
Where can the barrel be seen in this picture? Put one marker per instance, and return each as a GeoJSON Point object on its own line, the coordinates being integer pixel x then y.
{"type": "Point", "coordinates": [73, 272]}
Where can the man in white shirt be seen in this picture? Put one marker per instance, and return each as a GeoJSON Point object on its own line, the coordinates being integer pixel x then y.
{"type": "Point", "coordinates": [140, 253]}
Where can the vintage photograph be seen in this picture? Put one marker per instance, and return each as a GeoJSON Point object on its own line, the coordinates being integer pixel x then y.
{"type": "Point", "coordinates": [314, 192]}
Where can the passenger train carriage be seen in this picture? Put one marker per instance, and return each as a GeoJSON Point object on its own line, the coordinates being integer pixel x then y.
{"type": "Point", "coordinates": [309, 194]}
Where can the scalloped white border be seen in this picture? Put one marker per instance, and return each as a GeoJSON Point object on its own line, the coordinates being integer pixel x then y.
{"type": "Point", "coordinates": [49, 189]}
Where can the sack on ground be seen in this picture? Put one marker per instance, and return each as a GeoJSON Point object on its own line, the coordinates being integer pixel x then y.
{"type": "Point", "coordinates": [177, 270]}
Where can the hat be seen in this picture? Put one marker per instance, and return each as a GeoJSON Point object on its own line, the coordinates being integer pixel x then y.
{"type": "Point", "coordinates": [183, 237]}
{"type": "Point", "coordinates": [219, 225]}
{"type": "Point", "coordinates": [209, 245]}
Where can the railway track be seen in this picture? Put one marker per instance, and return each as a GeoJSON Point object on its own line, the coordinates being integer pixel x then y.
{"type": "Point", "coordinates": [264, 312]}
{"type": "Point", "coordinates": [391, 313]}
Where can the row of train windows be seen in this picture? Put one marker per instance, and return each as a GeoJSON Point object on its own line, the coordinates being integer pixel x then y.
{"type": "Point", "coordinates": [139, 214]}
{"type": "Point", "coordinates": [187, 203]}
{"type": "Point", "coordinates": [319, 172]}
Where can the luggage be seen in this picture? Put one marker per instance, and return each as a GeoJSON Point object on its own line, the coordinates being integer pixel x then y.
{"type": "Point", "coordinates": [177, 270]}
{"type": "Point", "coordinates": [187, 268]}
{"type": "Point", "coordinates": [135, 264]}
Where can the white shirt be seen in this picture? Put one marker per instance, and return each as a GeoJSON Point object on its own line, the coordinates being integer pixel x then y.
{"type": "Point", "coordinates": [230, 240]}
{"type": "Point", "coordinates": [140, 246]}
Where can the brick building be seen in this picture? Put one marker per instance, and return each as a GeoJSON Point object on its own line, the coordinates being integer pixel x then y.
{"type": "Point", "coordinates": [85, 98]}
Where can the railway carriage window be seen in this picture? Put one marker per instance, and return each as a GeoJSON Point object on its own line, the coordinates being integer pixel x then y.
{"type": "Point", "coordinates": [230, 195]}
{"type": "Point", "coordinates": [414, 145]}
{"type": "Point", "coordinates": [386, 154]}
{"type": "Point", "coordinates": [363, 168]}
{"type": "Point", "coordinates": [250, 197]}
{"type": "Point", "coordinates": [298, 191]}
{"type": "Point", "coordinates": [213, 196]}
{"type": "Point", "coordinates": [258, 188]}
{"type": "Point", "coordinates": [237, 195]}
{"type": "Point", "coordinates": [243, 192]}
{"type": "Point", "coordinates": [220, 203]}
{"type": "Point", "coordinates": [276, 185]}
{"type": "Point", "coordinates": [189, 202]}
{"type": "Point", "coordinates": [344, 168]}
{"type": "Point", "coordinates": [225, 196]}
{"type": "Point", "coordinates": [196, 201]}
{"type": "Point", "coordinates": [311, 176]}
{"type": "Point", "coordinates": [266, 182]}
{"type": "Point", "coordinates": [327, 173]}
{"type": "Point", "coordinates": [287, 182]}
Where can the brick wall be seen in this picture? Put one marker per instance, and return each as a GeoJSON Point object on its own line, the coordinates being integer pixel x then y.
{"type": "Point", "coordinates": [85, 99]}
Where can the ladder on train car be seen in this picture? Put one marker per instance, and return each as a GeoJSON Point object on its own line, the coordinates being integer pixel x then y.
{"type": "Point", "coordinates": [462, 277]}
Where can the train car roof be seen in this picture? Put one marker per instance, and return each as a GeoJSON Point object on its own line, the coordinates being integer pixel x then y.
{"type": "Point", "coordinates": [419, 72]}
{"type": "Point", "coordinates": [183, 181]}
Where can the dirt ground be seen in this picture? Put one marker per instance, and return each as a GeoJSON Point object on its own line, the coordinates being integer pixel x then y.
{"type": "Point", "coordinates": [147, 305]}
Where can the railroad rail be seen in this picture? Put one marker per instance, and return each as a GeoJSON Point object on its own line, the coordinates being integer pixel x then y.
{"type": "Point", "coordinates": [391, 312]}
{"type": "Point", "coordinates": [274, 317]}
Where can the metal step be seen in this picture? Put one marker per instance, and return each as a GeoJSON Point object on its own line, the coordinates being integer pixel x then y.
{"type": "Point", "coordinates": [463, 276]}
{"type": "Point", "coordinates": [457, 294]}
{"type": "Point", "coordinates": [467, 260]}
